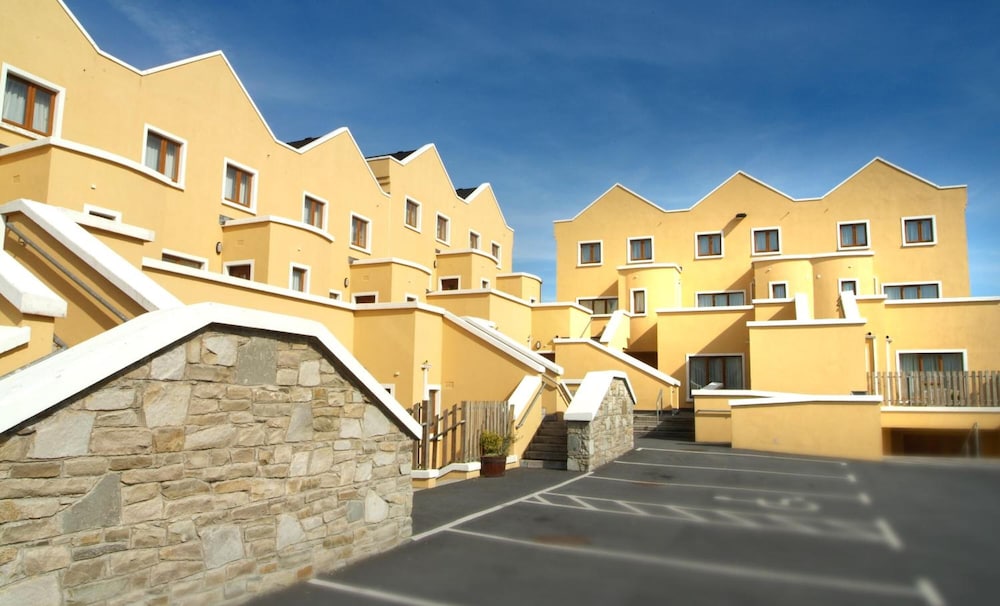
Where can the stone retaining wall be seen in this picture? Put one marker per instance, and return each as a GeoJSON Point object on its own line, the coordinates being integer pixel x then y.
{"type": "Point", "coordinates": [231, 464]}
{"type": "Point", "coordinates": [591, 444]}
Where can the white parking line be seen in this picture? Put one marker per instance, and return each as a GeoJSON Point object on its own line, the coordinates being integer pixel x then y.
{"type": "Point", "coordinates": [742, 454]}
{"type": "Point", "coordinates": [922, 589]}
{"type": "Point", "coordinates": [385, 596]}
{"type": "Point", "coordinates": [848, 478]}
{"type": "Point", "coordinates": [860, 497]}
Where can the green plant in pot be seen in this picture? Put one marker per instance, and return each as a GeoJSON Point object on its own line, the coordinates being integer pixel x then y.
{"type": "Point", "coordinates": [493, 449]}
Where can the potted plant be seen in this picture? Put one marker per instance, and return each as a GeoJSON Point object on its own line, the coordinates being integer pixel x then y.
{"type": "Point", "coordinates": [493, 450]}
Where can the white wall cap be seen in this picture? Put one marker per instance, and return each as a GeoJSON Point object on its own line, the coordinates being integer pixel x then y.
{"type": "Point", "coordinates": [816, 256]}
{"type": "Point", "coordinates": [52, 380]}
{"type": "Point", "coordinates": [115, 227]}
{"type": "Point", "coordinates": [26, 292]}
{"type": "Point", "coordinates": [716, 309]}
{"type": "Point", "coordinates": [786, 323]}
{"type": "Point", "coordinates": [737, 393]}
{"type": "Point", "coordinates": [13, 336]}
{"type": "Point", "coordinates": [392, 261]}
{"type": "Point", "coordinates": [942, 301]}
{"type": "Point", "coordinates": [590, 394]}
{"type": "Point", "coordinates": [618, 321]}
{"type": "Point", "coordinates": [793, 398]}
{"type": "Point", "coordinates": [505, 344]}
{"type": "Point", "coordinates": [564, 305]}
{"type": "Point", "coordinates": [803, 311]}
{"type": "Point", "coordinates": [520, 274]}
{"type": "Point", "coordinates": [524, 393]}
{"type": "Point", "coordinates": [625, 358]}
{"type": "Point", "coordinates": [280, 221]}
{"type": "Point", "coordinates": [109, 264]}
{"type": "Point", "coordinates": [850, 304]}
{"type": "Point", "coordinates": [963, 409]}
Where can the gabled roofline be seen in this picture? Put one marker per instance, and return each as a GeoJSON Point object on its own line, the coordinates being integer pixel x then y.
{"type": "Point", "coordinates": [51, 381]}
{"type": "Point", "coordinates": [482, 187]}
{"type": "Point", "coordinates": [608, 191]}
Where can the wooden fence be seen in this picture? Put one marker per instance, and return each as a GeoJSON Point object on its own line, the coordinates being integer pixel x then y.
{"type": "Point", "coordinates": [946, 388]}
{"type": "Point", "coordinates": [452, 436]}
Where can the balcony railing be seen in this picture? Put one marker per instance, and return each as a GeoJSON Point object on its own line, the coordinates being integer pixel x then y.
{"type": "Point", "coordinates": [945, 388]}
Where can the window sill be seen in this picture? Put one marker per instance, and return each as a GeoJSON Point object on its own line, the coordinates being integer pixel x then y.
{"type": "Point", "coordinates": [247, 209]}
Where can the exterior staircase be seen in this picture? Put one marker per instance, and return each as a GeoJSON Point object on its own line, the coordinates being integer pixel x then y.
{"type": "Point", "coordinates": [547, 448]}
{"type": "Point", "coordinates": [678, 426]}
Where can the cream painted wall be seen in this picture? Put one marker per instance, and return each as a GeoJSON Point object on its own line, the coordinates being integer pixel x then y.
{"type": "Point", "coordinates": [812, 358]}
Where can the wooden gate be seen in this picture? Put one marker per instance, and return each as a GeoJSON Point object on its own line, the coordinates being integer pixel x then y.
{"type": "Point", "coordinates": [453, 435]}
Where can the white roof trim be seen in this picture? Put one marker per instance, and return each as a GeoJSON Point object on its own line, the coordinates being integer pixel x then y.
{"type": "Point", "coordinates": [466, 251]}
{"type": "Point", "coordinates": [519, 274]}
{"type": "Point", "coordinates": [941, 300]}
{"type": "Point", "coordinates": [588, 398]}
{"type": "Point", "coordinates": [627, 359]}
{"type": "Point", "coordinates": [52, 380]}
{"type": "Point", "coordinates": [608, 191]}
{"type": "Point", "coordinates": [478, 291]}
{"type": "Point", "coordinates": [129, 279]}
{"type": "Point", "coordinates": [393, 260]}
{"type": "Point", "coordinates": [281, 221]}
{"type": "Point", "coordinates": [505, 344]}
{"type": "Point", "coordinates": [26, 292]}
{"type": "Point", "coordinates": [858, 253]}
{"type": "Point", "coordinates": [13, 336]}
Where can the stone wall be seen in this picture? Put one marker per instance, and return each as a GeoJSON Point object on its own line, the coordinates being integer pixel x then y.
{"type": "Point", "coordinates": [230, 464]}
{"type": "Point", "coordinates": [590, 444]}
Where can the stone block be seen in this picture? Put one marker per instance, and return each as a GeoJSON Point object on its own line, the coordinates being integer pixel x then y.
{"type": "Point", "coordinates": [376, 509]}
{"type": "Point", "coordinates": [114, 398]}
{"type": "Point", "coordinates": [33, 530]}
{"type": "Point", "coordinates": [39, 560]}
{"type": "Point", "coordinates": [130, 561]}
{"type": "Point", "coordinates": [97, 592]}
{"type": "Point", "coordinates": [148, 536]}
{"type": "Point", "coordinates": [169, 366]}
{"type": "Point", "coordinates": [184, 488]}
{"type": "Point", "coordinates": [33, 590]}
{"type": "Point", "coordinates": [35, 470]}
{"type": "Point", "coordinates": [300, 426]}
{"type": "Point", "coordinates": [251, 436]}
{"type": "Point", "coordinates": [321, 461]}
{"type": "Point", "coordinates": [117, 418]}
{"type": "Point", "coordinates": [257, 362]}
{"type": "Point", "coordinates": [363, 471]}
{"type": "Point", "coordinates": [144, 511]}
{"type": "Point", "coordinates": [286, 376]}
{"type": "Point", "coordinates": [375, 422]}
{"type": "Point", "coordinates": [309, 373]}
{"type": "Point", "coordinates": [299, 465]}
{"type": "Point", "coordinates": [99, 508]}
{"type": "Point", "coordinates": [219, 349]}
{"type": "Point", "coordinates": [223, 544]}
{"type": "Point", "coordinates": [156, 474]}
{"type": "Point", "coordinates": [262, 531]}
{"type": "Point", "coordinates": [210, 391]}
{"type": "Point", "coordinates": [86, 571]}
{"type": "Point", "coordinates": [121, 463]}
{"type": "Point", "coordinates": [182, 531]}
{"type": "Point", "coordinates": [227, 486]}
{"type": "Point", "coordinates": [187, 506]}
{"type": "Point", "coordinates": [191, 550]}
{"type": "Point", "coordinates": [168, 439]}
{"type": "Point", "coordinates": [121, 441]}
{"type": "Point", "coordinates": [350, 428]}
{"type": "Point", "coordinates": [228, 405]}
{"type": "Point", "coordinates": [289, 531]}
{"type": "Point", "coordinates": [165, 404]}
{"type": "Point", "coordinates": [222, 436]}
{"type": "Point", "coordinates": [65, 434]}
{"type": "Point", "coordinates": [14, 447]}
{"type": "Point", "coordinates": [355, 511]}
{"type": "Point", "coordinates": [170, 572]}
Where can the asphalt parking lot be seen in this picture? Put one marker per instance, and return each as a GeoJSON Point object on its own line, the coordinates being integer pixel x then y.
{"type": "Point", "coordinates": [696, 524]}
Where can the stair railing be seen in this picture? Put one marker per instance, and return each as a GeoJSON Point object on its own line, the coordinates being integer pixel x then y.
{"type": "Point", "coordinates": [659, 404]}
{"type": "Point", "coordinates": [970, 447]}
{"type": "Point", "coordinates": [527, 411]}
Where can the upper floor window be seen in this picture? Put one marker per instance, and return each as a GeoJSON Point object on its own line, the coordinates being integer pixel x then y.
{"type": "Point", "coordinates": [411, 218]}
{"type": "Point", "coordinates": [767, 240]}
{"type": "Point", "coordinates": [927, 290]}
{"type": "Point", "coordinates": [163, 154]}
{"type": "Point", "coordinates": [450, 283]}
{"type": "Point", "coordinates": [639, 302]}
{"type": "Point", "coordinates": [360, 232]}
{"type": "Point", "coordinates": [720, 299]}
{"type": "Point", "coordinates": [179, 258]}
{"type": "Point", "coordinates": [708, 245]}
{"type": "Point", "coordinates": [238, 187]}
{"type": "Point", "coordinates": [590, 253]}
{"type": "Point", "coordinates": [640, 249]}
{"type": "Point", "coordinates": [779, 290]}
{"type": "Point", "coordinates": [919, 231]}
{"type": "Point", "coordinates": [853, 234]}
{"type": "Point", "coordinates": [240, 269]}
{"type": "Point", "coordinates": [848, 285]}
{"type": "Point", "coordinates": [931, 362]}
{"type": "Point", "coordinates": [299, 278]}
{"type": "Point", "coordinates": [495, 251]}
{"type": "Point", "coordinates": [313, 211]}
{"type": "Point", "coordinates": [29, 105]}
{"type": "Point", "coordinates": [443, 230]}
{"type": "Point", "coordinates": [473, 240]}
{"type": "Point", "coordinates": [600, 306]}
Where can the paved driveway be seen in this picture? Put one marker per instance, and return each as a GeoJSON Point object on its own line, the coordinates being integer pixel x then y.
{"type": "Point", "coordinates": [675, 522]}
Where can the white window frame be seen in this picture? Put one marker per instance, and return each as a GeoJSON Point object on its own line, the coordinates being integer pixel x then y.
{"type": "Point", "coordinates": [484, 284]}
{"type": "Point", "coordinates": [902, 228]}
{"type": "Point", "coordinates": [753, 242]}
{"type": "Point", "coordinates": [479, 239]}
{"type": "Point", "coordinates": [770, 290]}
{"type": "Point", "coordinates": [687, 368]}
{"type": "Point", "coordinates": [102, 213]}
{"type": "Point", "coordinates": [964, 352]}
{"type": "Point", "coordinates": [354, 297]}
{"type": "Point", "coordinates": [226, 265]}
{"type": "Point", "coordinates": [857, 285]}
{"type": "Point", "coordinates": [868, 234]}
{"type": "Point", "coordinates": [579, 256]}
{"type": "Point", "coordinates": [722, 244]}
{"type": "Point", "coordinates": [437, 219]}
{"type": "Point", "coordinates": [420, 214]}
{"type": "Point", "coordinates": [645, 301]}
{"type": "Point", "coordinates": [324, 216]}
{"type": "Point", "coordinates": [336, 295]}
{"type": "Point", "coordinates": [918, 283]}
{"type": "Point", "coordinates": [499, 248]}
{"type": "Point", "coordinates": [595, 314]}
{"type": "Point", "coordinates": [441, 279]}
{"type": "Point", "coordinates": [254, 186]}
{"type": "Point", "coordinates": [181, 157]}
{"type": "Point", "coordinates": [720, 292]}
{"type": "Point", "coordinates": [291, 274]}
{"type": "Point", "coordinates": [202, 261]}
{"type": "Point", "coordinates": [410, 298]}
{"type": "Point", "coordinates": [57, 110]}
{"type": "Point", "coordinates": [368, 233]}
{"type": "Point", "coordinates": [652, 250]}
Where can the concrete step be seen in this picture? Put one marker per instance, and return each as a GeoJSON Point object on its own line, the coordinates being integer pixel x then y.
{"type": "Point", "coordinates": [544, 456]}
{"type": "Point", "coordinates": [546, 448]}
{"type": "Point", "coordinates": [540, 464]}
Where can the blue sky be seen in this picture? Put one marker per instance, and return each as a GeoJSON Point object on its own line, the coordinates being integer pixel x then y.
{"type": "Point", "coordinates": [554, 102]}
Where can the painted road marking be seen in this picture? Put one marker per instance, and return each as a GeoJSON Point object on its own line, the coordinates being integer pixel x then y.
{"type": "Point", "coordinates": [848, 478]}
{"type": "Point", "coordinates": [860, 496]}
{"type": "Point", "coordinates": [385, 596]}
{"type": "Point", "coordinates": [921, 589]}
{"type": "Point", "coordinates": [787, 503]}
{"type": "Point", "coordinates": [872, 531]}
{"type": "Point", "coordinates": [741, 454]}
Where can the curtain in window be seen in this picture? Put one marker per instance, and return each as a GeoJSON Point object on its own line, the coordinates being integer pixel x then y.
{"type": "Point", "coordinates": [231, 183]}
{"type": "Point", "coordinates": [170, 164]}
{"type": "Point", "coordinates": [15, 100]}
{"type": "Point", "coordinates": [760, 241]}
{"type": "Point", "coordinates": [734, 373]}
{"type": "Point", "coordinates": [912, 231]}
{"type": "Point", "coordinates": [153, 152]}
{"type": "Point", "coordinates": [43, 109]}
{"type": "Point", "coordinates": [697, 373]}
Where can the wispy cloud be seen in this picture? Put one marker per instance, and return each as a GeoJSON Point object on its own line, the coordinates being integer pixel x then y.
{"type": "Point", "coordinates": [179, 34]}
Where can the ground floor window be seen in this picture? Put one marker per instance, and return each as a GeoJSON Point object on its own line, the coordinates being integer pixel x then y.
{"type": "Point", "coordinates": [931, 362]}
{"type": "Point", "coordinates": [703, 370]}
{"type": "Point", "coordinates": [601, 306]}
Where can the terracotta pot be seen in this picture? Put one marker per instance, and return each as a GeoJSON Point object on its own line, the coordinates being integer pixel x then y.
{"type": "Point", "coordinates": [492, 466]}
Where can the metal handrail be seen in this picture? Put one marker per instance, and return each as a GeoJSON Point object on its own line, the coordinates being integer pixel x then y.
{"type": "Point", "coordinates": [659, 404]}
{"type": "Point", "coordinates": [524, 417]}
{"type": "Point", "coordinates": [973, 435]}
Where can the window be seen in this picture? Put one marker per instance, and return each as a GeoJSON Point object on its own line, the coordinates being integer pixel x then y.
{"type": "Point", "coordinates": [443, 229]}
{"type": "Point", "coordinates": [299, 278]}
{"type": "Point", "coordinates": [335, 295]}
{"type": "Point", "coordinates": [28, 105]}
{"type": "Point", "coordinates": [640, 249]}
{"type": "Point", "coordinates": [473, 240]}
{"type": "Point", "coordinates": [495, 251]}
{"type": "Point", "coordinates": [600, 306]}
{"type": "Point", "coordinates": [766, 241]}
{"type": "Point", "coordinates": [848, 285]}
{"type": "Point", "coordinates": [590, 253]}
{"type": "Point", "coordinates": [931, 362]}
{"type": "Point", "coordinates": [639, 302]}
{"type": "Point", "coordinates": [238, 186]}
{"type": "Point", "coordinates": [368, 297]}
{"type": "Point", "coordinates": [853, 235]}
{"type": "Point", "coordinates": [720, 299]}
{"type": "Point", "coordinates": [103, 213]}
{"type": "Point", "coordinates": [930, 290]}
{"type": "Point", "coordinates": [360, 232]}
{"type": "Point", "coordinates": [708, 245]}
{"type": "Point", "coordinates": [240, 269]}
{"type": "Point", "coordinates": [450, 283]}
{"type": "Point", "coordinates": [162, 154]}
{"type": "Point", "coordinates": [725, 369]}
{"type": "Point", "coordinates": [779, 290]}
{"type": "Point", "coordinates": [313, 212]}
{"type": "Point", "coordinates": [411, 217]}
{"type": "Point", "coordinates": [171, 256]}
{"type": "Point", "coordinates": [918, 231]}
{"type": "Point", "coordinates": [411, 298]}
{"type": "Point", "coordinates": [484, 284]}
